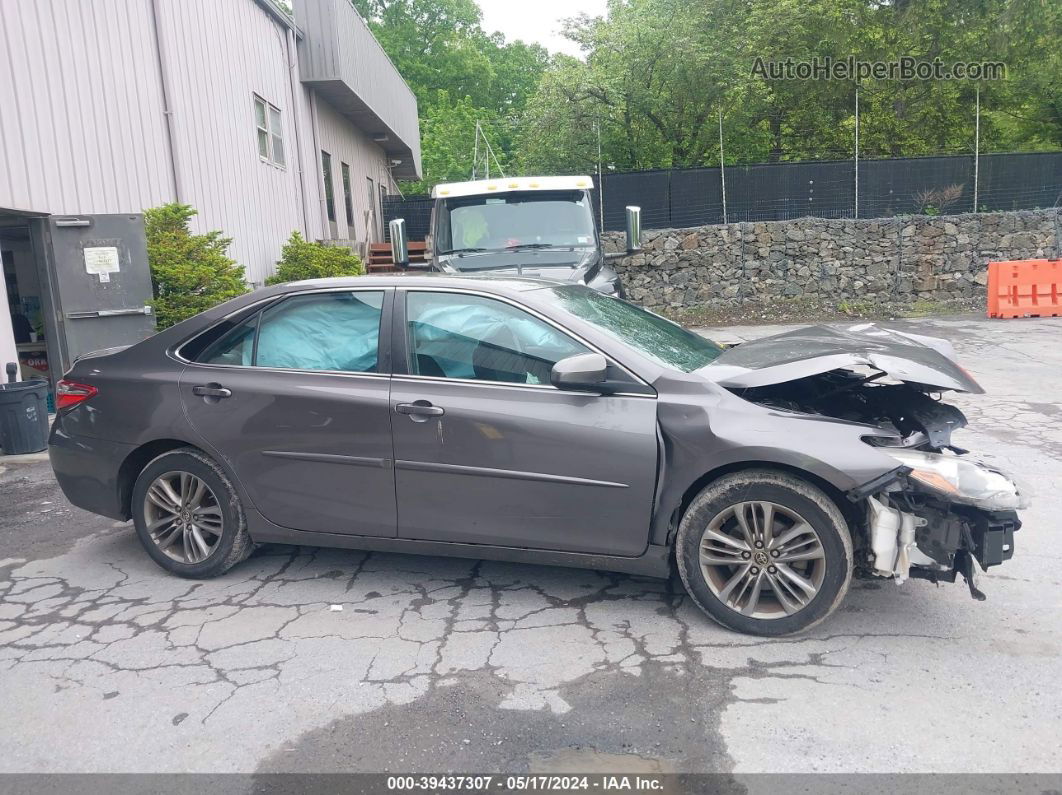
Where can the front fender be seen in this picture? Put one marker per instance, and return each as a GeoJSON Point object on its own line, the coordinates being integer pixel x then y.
{"type": "Point", "coordinates": [707, 432]}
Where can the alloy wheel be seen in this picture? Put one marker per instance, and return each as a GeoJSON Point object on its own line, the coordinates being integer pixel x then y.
{"type": "Point", "coordinates": [183, 517]}
{"type": "Point", "coordinates": [762, 559]}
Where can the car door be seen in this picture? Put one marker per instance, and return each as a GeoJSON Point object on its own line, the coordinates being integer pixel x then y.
{"type": "Point", "coordinates": [488, 452]}
{"type": "Point", "coordinates": [295, 399]}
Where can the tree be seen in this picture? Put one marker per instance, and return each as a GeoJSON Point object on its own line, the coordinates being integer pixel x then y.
{"type": "Point", "coordinates": [459, 74]}
{"type": "Point", "coordinates": [657, 74]}
{"type": "Point", "coordinates": [189, 273]}
{"type": "Point", "coordinates": [302, 259]}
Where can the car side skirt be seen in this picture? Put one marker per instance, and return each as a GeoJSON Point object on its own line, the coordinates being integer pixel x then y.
{"type": "Point", "coordinates": [654, 562]}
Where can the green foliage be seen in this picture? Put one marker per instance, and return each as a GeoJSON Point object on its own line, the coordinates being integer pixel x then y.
{"type": "Point", "coordinates": [302, 259]}
{"type": "Point", "coordinates": [189, 273]}
{"type": "Point", "coordinates": [658, 73]}
{"type": "Point", "coordinates": [459, 74]}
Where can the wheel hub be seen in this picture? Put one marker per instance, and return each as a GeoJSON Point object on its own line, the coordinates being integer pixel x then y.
{"type": "Point", "coordinates": [762, 559]}
{"type": "Point", "coordinates": [183, 517]}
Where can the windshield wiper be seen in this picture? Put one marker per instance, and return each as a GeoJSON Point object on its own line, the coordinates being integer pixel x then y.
{"type": "Point", "coordinates": [518, 246]}
{"type": "Point", "coordinates": [462, 251]}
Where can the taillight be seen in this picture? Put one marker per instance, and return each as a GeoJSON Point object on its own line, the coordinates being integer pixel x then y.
{"type": "Point", "coordinates": [70, 393]}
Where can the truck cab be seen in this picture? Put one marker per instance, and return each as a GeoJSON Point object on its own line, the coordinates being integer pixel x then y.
{"type": "Point", "coordinates": [531, 226]}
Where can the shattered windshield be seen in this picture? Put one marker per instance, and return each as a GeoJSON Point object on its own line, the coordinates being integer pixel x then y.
{"type": "Point", "coordinates": [472, 225]}
{"type": "Point", "coordinates": [652, 335]}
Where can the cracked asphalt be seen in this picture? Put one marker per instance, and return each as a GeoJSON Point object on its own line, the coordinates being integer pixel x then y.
{"type": "Point", "coordinates": [305, 659]}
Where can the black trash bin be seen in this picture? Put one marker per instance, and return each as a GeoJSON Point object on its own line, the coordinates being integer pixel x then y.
{"type": "Point", "coordinates": [23, 417]}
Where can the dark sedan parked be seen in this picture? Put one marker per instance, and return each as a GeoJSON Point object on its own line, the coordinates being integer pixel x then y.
{"type": "Point", "coordinates": [527, 420]}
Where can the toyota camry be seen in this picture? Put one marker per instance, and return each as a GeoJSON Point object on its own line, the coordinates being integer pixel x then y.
{"type": "Point", "coordinates": [527, 420]}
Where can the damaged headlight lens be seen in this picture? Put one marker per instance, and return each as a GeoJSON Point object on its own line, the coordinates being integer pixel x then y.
{"type": "Point", "coordinates": [963, 481]}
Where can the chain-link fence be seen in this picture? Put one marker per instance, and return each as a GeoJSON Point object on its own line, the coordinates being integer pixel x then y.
{"type": "Point", "coordinates": [826, 189]}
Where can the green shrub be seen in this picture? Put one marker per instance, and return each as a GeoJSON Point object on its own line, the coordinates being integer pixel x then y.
{"type": "Point", "coordinates": [302, 259]}
{"type": "Point", "coordinates": [189, 273]}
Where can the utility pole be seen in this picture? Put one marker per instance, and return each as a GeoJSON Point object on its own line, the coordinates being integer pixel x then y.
{"type": "Point", "coordinates": [600, 180]}
{"type": "Point", "coordinates": [977, 146]}
{"type": "Point", "coordinates": [857, 152]}
{"type": "Point", "coordinates": [475, 151]}
{"type": "Point", "coordinates": [722, 167]}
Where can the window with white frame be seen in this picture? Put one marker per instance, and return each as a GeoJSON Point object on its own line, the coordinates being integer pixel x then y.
{"type": "Point", "coordinates": [270, 132]}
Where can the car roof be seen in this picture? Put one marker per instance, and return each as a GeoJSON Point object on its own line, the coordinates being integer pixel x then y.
{"type": "Point", "coordinates": [483, 281]}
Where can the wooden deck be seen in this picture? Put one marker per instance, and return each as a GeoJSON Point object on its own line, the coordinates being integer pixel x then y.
{"type": "Point", "coordinates": [380, 260]}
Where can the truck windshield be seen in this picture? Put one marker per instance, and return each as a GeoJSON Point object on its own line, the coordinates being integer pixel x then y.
{"type": "Point", "coordinates": [534, 219]}
{"type": "Point", "coordinates": [655, 337]}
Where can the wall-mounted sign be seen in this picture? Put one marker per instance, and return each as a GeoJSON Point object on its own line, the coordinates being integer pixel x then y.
{"type": "Point", "coordinates": [102, 261]}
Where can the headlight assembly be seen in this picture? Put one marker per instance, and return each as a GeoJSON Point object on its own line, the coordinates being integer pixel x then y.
{"type": "Point", "coordinates": [960, 480]}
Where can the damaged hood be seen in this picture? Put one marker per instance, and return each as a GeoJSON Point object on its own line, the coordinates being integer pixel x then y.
{"type": "Point", "coordinates": [805, 352]}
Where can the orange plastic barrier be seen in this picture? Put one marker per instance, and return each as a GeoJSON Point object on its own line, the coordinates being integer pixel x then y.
{"type": "Point", "coordinates": [1025, 288]}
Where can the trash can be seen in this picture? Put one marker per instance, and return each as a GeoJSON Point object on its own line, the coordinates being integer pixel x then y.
{"type": "Point", "coordinates": [23, 417]}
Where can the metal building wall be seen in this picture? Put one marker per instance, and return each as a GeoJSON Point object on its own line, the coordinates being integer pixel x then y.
{"type": "Point", "coordinates": [218, 56]}
{"type": "Point", "coordinates": [346, 144]}
{"type": "Point", "coordinates": [340, 48]}
{"type": "Point", "coordinates": [81, 127]}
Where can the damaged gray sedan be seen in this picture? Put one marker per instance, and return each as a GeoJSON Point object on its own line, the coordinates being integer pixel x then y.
{"type": "Point", "coordinates": [526, 420]}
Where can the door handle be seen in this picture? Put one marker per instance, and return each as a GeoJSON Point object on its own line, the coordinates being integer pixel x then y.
{"type": "Point", "coordinates": [211, 391]}
{"type": "Point", "coordinates": [419, 410]}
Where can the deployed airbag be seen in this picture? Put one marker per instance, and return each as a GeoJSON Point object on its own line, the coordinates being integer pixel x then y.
{"type": "Point", "coordinates": [325, 331]}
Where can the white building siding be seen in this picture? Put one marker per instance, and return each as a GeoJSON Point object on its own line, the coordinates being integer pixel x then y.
{"type": "Point", "coordinates": [219, 55]}
{"type": "Point", "coordinates": [347, 144]}
{"type": "Point", "coordinates": [81, 129]}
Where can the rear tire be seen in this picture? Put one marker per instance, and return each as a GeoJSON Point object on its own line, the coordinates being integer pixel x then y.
{"type": "Point", "coordinates": [188, 516]}
{"type": "Point", "coordinates": [764, 552]}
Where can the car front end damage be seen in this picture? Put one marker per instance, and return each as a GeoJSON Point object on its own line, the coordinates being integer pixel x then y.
{"type": "Point", "coordinates": [940, 512]}
{"type": "Point", "coordinates": [938, 516]}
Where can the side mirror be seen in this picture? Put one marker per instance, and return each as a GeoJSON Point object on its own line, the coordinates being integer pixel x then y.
{"type": "Point", "coordinates": [582, 372]}
{"type": "Point", "coordinates": [399, 243]}
{"type": "Point", "coordinates": [634, 229]}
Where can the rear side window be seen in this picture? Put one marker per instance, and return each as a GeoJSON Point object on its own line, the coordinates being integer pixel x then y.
{"type": "Point", "coordinates": [235, 347]}
{"type": "Point", "coordinates": [337, 331]}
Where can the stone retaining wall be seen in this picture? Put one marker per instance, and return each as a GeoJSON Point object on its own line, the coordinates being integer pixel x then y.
{"type": "Point", "coordinates": [888, 260]}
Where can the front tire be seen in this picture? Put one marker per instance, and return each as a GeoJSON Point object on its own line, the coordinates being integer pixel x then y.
{"type": "Point", "coordinates": [188, 516]}
{"type": "Point", "coordinates": [764, 552]}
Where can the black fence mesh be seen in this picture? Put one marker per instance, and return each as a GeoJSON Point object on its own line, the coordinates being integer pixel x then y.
{"type": "Point", "coordinates": [825, 189]}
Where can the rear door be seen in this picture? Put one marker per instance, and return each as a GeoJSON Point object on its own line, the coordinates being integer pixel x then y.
{"type": "Point", "coordinates": [295, 399]}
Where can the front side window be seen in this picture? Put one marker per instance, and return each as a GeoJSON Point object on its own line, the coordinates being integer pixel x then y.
{"type": "Point", "coordinates": [270, 132]}
{"type": "Point", "coordinates": [465, 336]}
{"type": "Point", "coordinates": [656, 337]}
{"type": "Point", "coordinates": [324, 331]}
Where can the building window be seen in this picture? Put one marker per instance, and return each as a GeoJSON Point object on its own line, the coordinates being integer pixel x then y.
{"type": "Point", "coordinates": [270, 132]}
{"type": "Point", "coordinates": [330, 198]}
{"type": "Point", "coordinates": [370, 221]}
{"type": "Point", "coordinates": [348, 199]}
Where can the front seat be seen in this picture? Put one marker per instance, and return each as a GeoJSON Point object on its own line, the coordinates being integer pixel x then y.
{"type": "Point", "coordinates": [495, 357]}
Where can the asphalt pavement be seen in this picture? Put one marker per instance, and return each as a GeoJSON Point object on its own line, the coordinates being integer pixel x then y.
{"type": "Point", "coordinates": [304, 659]}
